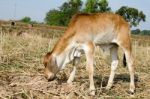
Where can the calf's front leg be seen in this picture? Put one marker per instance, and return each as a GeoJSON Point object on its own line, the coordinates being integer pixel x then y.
{"type": "Point", "coordinates": [89, 51]}
{"type": "Point", "coordinates": [72, 74]}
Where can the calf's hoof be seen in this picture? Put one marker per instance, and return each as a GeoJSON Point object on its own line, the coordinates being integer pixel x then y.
{"type": "Point", "coordinates": [108, 87]}
{"type": "Point", "coordinates": [92, 93]}
{"type": "Point", "coordinates": [130, 92]}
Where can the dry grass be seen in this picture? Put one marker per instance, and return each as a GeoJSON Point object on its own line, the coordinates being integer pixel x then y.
{"type": "Point", "coordinates": [21, 70]}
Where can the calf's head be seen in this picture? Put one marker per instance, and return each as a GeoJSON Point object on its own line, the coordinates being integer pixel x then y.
{"type": "Point", "coordinates": [51, 67]}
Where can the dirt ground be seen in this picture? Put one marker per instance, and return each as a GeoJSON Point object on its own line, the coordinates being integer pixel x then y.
{"type": "Point", "coordinates": [21, 71]}
{"type": "Point", "coordinates": [35, 86]}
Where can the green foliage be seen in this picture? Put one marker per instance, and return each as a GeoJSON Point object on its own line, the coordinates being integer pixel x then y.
{"type": "Point", "coordinates": [93, 6]}
{"type": "Point", "coordinates": [69, 9]}
{"type": "Point", "coordinates": [62, 16]}
{"type": "Point", "coordinates": [33, 22]}
{"type": "Point", "coordinates": [54, 17]}
{"type": "Point", "coordinates": [103, 6]}
{"type": "Point", "coordinates": [26, 20]}
{"type": "Point", "coordinates": [139, 32]}
{"type": "Point", "coordinates": [136, 31]}
{"type": "Point", "coordinates": [132, 15]}
{"type": "Point", "coordinates": [145, 32]}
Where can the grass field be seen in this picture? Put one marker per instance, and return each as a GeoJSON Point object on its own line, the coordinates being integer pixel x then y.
{"type": "Point", "coordinates": [21, 70]}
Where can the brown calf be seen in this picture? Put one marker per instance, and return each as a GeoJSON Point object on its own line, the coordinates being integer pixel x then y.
{"type": "Point", "coordinates": [84, 32]}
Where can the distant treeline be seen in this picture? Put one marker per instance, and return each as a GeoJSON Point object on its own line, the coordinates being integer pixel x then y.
{"type": "Point", "coordinates": [62, 15]}
{"type": "Point", "coordinates": [139, 32]}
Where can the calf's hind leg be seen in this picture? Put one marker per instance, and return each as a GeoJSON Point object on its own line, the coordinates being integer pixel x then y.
{"type": "Point", "coordinates": [126, 46]}
{"type": "Point", "coordinates": [129, 59]}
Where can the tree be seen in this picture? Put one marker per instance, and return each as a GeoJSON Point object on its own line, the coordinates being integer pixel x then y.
{"type": "Point", "coordinates": [136, 31]}
{"type": "Point", "coordinates": [54, 17]}
{"type": "Point", "coordinates": [131, 15]}
{"type": "Point", "coordinates": [145, 32]}
{"type": "Point", "coordinates": [70, 8]}
{"type": "Point", "coordinates": [26, 20]}
{"type": "Point", "coordinates": [64, 14]}
{"type": "Point", "coordinates": [103, 6]}
{"type": "Point", "coordinates": [93, 6]}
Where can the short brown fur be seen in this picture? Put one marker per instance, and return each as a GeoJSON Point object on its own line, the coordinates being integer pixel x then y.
{"type": "Point", "coordinates": [88, 31]}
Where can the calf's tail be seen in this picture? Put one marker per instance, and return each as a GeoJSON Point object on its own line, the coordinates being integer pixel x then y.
{"type": "Point", "coordinates": [124, 61]}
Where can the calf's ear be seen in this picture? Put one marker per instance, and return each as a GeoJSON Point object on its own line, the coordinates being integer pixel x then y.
{"type": "Point", "coordinates": [53, 65]}
{"type": "Point", "coordinates": [46, 59]}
